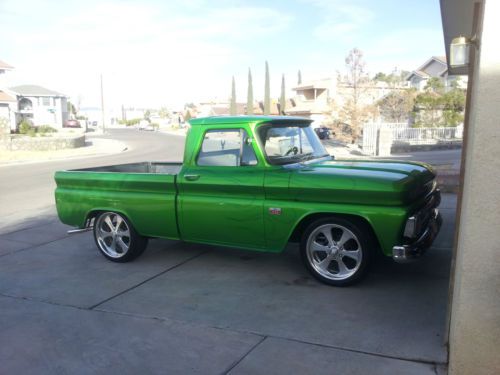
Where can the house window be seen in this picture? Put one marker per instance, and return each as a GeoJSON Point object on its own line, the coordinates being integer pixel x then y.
{"type": "Point", "coordinates": [226, 148]}
{"type": "Point", "coordinates": [46, 101]}
{"type": "Point", "coordinates": [25, 105]}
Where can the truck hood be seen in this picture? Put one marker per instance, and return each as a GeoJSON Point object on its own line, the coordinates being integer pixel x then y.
{"type": "Point", "coordinates": [381, 182]}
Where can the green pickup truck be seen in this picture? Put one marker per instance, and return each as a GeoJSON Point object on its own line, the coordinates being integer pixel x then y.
{"type": "Point", "coordinates": [257, 183]}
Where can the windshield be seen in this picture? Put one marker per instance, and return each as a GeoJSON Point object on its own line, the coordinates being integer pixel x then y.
{"type": "Point", "coordinates": [290, 144]}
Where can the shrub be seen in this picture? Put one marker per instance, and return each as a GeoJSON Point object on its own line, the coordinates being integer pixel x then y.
{"type": "Point", "coordinates": [43, 129]}
{"type": "Point", "coordinates": [26, 127]}
{"type": "Point", "coordinates": [133, 121]}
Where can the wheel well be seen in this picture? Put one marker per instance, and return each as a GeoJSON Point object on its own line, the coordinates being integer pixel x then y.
{"type": "Point", "coordinates": [90, 220]}
{"type": "Point", "coordinates": [94, 213]}
{"type": "Point", "coordinates": [91, 215]}
{"type": "Point", "coordinates": [357, 220]}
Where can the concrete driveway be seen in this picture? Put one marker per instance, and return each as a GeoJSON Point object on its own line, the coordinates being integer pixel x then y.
{"type": "Point", "coordinates": [187, 308]}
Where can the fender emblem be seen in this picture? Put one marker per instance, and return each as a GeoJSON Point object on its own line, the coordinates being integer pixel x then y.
{"type": "Point", "coordinates": [274, 211]}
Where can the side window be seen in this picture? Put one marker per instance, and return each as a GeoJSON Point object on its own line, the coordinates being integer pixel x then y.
{"type": "Point", "coordinates": [227, 148]}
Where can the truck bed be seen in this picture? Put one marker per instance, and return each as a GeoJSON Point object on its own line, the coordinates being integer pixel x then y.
{"type": "Point", "coordinates": [143, 192]}
{"type": "Point", "coordinates": [144, 167]}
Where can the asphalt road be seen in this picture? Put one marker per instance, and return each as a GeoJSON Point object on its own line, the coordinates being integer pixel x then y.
{"type": "Point", "coordinates": [27, 190]}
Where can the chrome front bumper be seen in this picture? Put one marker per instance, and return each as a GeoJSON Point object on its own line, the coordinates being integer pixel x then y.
{"type": "Point", "coordinates": [406, 253]}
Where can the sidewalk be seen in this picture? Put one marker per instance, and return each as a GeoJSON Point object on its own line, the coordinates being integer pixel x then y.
{"type": "Point", "coordinates": [187, 308]}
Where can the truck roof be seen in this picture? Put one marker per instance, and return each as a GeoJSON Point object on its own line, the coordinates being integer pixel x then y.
{"type": "Point", "coordinates": [246, 119]}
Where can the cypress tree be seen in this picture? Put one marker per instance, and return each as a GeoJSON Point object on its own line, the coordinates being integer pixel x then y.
{"type": "Point", "coordinates": [250, 94]}
{"type": "Point", "coordinates": [299, 81]}
{"type": "Point", "coordinates": [282, 97]}
{"type": "Point", "coordinates": [267, 93]}
{"type": "Point", "coordinates": [232, 108]}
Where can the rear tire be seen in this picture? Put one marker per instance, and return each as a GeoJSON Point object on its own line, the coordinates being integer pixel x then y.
{"type": "Point", "coordinates": [336, 251]}
{"type": "Point", "coordinates": [116, 238]}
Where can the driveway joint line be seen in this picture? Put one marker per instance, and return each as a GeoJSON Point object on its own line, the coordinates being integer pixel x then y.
{"type": "Point", "coordinates": [39, 300]}
{"type": "Point", "coordinates": [18, 241]}
{"type": "Point", "coordinates": [148, 279]}
{"type": "Point", "coordinates": [428, 362]}
{"type": "Point", "coordinates": [32, 246]}
{"type": "Point", "coordinates": [50, 218]}
{"type": "Point", "coordinates": [266, 335]}
{"type": "Point", "coordinates": [260, 334]}
{"type": "Point", "coordinates": [244, 356]}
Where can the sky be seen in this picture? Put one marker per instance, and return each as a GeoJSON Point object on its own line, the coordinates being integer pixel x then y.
{"type": "Point", "coordinates": [154, 53]}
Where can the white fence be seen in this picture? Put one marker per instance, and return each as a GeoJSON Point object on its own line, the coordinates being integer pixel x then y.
{"type": "Point", "coordinates": [426, 136]}
{"type": "Point", "coordinates": [403, 135]}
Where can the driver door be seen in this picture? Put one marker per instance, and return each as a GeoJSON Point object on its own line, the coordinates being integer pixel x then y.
{"type": "Point", "coordinates": [221, 196]}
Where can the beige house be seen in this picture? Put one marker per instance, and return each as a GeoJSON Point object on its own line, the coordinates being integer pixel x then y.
{"type": "Point", "coordinates": [206, 109]}
{"type": "Point", "coordinates": [313, 100]}
{"type": "Point", "coordinates": [323, 100]}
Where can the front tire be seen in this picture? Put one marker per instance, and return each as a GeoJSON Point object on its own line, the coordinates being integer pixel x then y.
{"type": "Point", "coordinates": [336, 251]}
{"type": "Point", "coordinates": [116, 238]}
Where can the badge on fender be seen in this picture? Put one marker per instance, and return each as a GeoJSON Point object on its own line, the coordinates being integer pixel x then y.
{"type": "Point", "coordinates": [274, 211]}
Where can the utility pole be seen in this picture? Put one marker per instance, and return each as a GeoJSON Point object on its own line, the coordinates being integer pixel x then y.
{"type": "Point", "coordinates": [102, 107]}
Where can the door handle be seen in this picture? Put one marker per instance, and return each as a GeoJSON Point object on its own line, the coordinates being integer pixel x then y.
{"type": "Point", "coordinates": [191, 177]}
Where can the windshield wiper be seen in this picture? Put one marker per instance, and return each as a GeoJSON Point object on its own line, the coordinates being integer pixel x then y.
{"type": "Point", "coordinates": [311, 156]}
{"type": "Point", "coordinates": [308, 156]}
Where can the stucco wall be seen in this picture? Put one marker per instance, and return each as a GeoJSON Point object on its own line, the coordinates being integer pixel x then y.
{"type": "Point", "coordinates": [17, 142]}
{"type": "Point", "coordinates": [475, 308]}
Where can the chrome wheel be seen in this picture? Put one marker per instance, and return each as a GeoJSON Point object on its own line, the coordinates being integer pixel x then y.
{"type": "Point", "coordinates": [112, 234]}
{"type": "Point", "coordinates": [334, 252]}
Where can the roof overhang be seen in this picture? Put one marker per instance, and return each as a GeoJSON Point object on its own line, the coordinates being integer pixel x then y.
{"type": "Point", "coordinates": [6, 98]}
{"type": "Point", "coordinates": [457, 17]}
